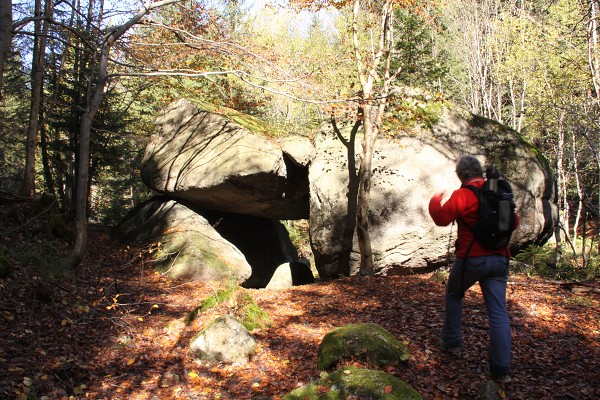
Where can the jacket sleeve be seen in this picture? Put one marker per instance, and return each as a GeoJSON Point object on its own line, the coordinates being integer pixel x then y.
{"type": "Point", "coordinates": [442, 214]}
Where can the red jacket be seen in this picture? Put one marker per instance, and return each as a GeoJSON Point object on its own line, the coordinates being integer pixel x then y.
{"type": "Point", "coordinates": [462, 207]}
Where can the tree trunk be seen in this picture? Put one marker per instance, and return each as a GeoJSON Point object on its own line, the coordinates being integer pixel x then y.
{"type": "Point", "coordinates": [376, 72]}
{"type": "Point", "coordinates": [5, 36]}
{"type": "Point", "coordinates": [364, 191]}
{"type": "Point", "coordinates": [93, 105]}
{"type": "Point", "coordinates": [593, 43]}
{"type": "Point", "coordinates": [46, 163]}
{"type": "Point", "coordinates": [351, 213]}
{"type": "Point", "coordinates": [562, 178]}
{"type": "Point", "coordinates": [563, 210]}
{"type": "Point", "coordinates": [37, 84]}
{"type": "Point", "coordinates": [579, 188]}
{"type": "Point", "coordinates": [81, 232]}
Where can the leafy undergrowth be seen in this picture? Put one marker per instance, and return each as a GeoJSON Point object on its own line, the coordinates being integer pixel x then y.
{"type": "Point", "coordinates": [118, 331]}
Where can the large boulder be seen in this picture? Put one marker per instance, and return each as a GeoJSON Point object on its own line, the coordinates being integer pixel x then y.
{"type": "Point", "coordinates": [408, 167]}
{"type": "Point", "coordinates": [211, 161]}
{"type": "Point", "coordinates": [208, 245]}
{"type": "Point", "coordinates": [187, 245]}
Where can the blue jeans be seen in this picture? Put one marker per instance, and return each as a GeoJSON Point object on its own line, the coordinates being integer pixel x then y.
{"type": "Point", "coordinates": [492, 274]}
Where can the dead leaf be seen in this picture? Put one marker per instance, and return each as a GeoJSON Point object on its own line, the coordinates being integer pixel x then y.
{"type": "Point", "coordinates": [7, 316]}
{"type": "Point", "coordinates": [560, 335]}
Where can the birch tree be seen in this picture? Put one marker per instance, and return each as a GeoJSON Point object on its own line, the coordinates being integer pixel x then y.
{"type": "Point", "coordinates": [375, 79]}
{"type": "Point", "coordinates": [593, 40]}
{"type": "Point", "coordinates": [470, 21]}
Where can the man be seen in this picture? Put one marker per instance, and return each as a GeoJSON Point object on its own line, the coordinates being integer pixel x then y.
{"type": "Point", "coordinates": [474, 264]}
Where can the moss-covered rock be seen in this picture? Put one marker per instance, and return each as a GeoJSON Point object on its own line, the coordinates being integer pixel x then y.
{"type": "Point", "coordinates": [253, 317]}
{"type": "Point", "coordinates": [367, 342]}
{"type": "Point", "coordinates": [189, 253]}
{"type": "Point", "coordinates": [240, 303]}
{"type": "Point", "coordinates": [488, 390]}
{"type": "Point", "coordinates": [184, 244]}
{"type": "Point", "coordinates": [362, 383]}
{"type": "Point", "coordinates": [249, 122]}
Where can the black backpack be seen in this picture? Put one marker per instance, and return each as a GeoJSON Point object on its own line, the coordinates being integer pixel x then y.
{"type": "Point", "coordinates": [497, 217]}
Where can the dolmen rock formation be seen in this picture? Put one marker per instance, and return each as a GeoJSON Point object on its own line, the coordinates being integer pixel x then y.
{"type": "Point", "coordinates": [243, 181]}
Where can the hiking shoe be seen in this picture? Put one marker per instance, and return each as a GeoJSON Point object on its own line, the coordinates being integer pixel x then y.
{"type": "Point", "coordinates": [449, 348]}
{"type": "Point", "coordinates": [500, 378]}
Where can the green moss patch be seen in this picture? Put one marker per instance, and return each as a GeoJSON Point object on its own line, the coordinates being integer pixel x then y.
{"type": "Point", "coordinates": [249, 122]}
{"type": "Point", "coordinates": [357, 382]}
{"type": "Point", "coordinates": [239, 303]}
{"type": "Point", "coordinates": [188, 254]}
{"type": "Point", "coordinates": [366, 342]}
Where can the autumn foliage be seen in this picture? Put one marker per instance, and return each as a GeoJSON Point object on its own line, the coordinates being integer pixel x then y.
{"type": "Point", "coordinates": [121, 331]}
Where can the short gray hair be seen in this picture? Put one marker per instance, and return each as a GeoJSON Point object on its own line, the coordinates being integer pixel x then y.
{"type": "Point", "coordinates": [467, 166]}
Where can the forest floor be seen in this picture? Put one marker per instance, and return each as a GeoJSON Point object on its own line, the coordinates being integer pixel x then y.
{"type": "Point", "coordinates": [118, 331]}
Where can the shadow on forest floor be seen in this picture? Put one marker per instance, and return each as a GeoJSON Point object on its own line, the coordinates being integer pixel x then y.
{"type": "Point", "coordinates": [118, 332]}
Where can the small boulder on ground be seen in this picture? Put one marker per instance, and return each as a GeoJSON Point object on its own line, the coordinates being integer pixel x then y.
{"type": "Point", "coordinates": [290, 274]}
{"type": "Point", "coordinates": [224, 340]}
